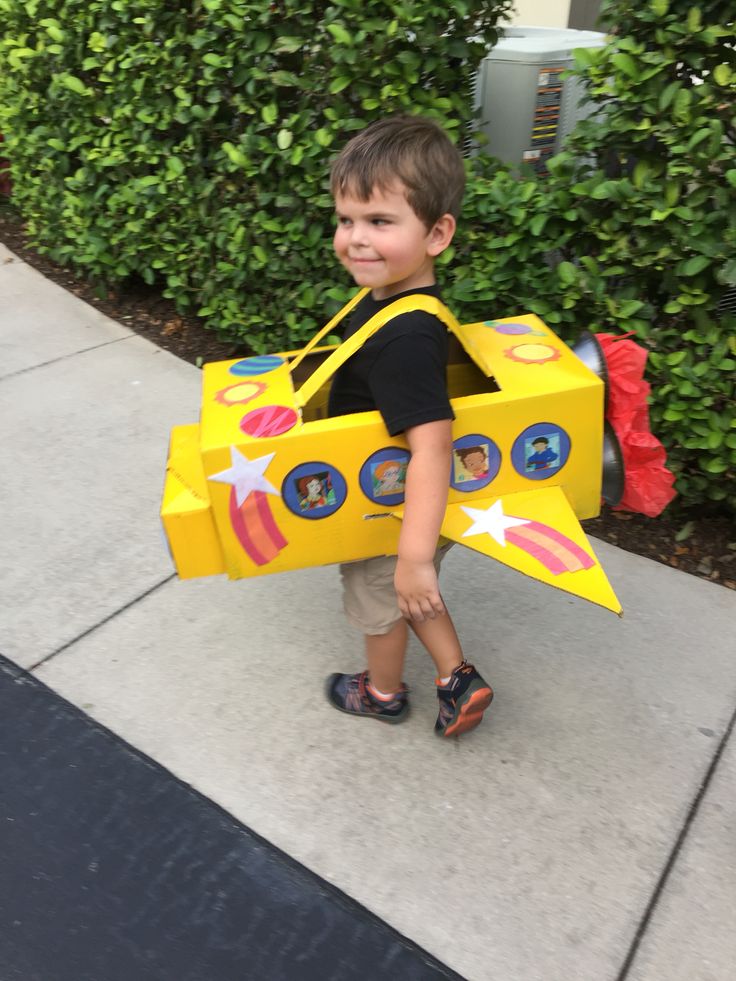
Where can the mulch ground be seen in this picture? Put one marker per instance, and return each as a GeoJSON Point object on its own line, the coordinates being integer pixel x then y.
{"type": "Point", "coordinates": [702, 546]}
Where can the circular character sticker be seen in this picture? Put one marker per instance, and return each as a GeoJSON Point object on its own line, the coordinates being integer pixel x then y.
{"type": "Point", "coordinates": [314, 490]}
{"type": "Point", "coordinates": [476, 461]}
{"type": "Point", "coordinates": [540, 451]}
{"type": "Point", "coordinates": [383, 476]}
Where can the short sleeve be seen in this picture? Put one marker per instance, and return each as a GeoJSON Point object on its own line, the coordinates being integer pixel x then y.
{"type": "Point", "coordinates": [408, 380]}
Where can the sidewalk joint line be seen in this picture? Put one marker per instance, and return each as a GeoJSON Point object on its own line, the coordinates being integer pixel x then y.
{"type": "Point", "coordinates": [96, 626]}
{"type": "Point", "coordinates": [675, 853]}
{"type": "Point", "coordinates": [64, 357]}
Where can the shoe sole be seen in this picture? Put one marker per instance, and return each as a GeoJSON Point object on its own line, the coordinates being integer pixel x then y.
{"type": "Point", "coordinates": [469, 713]}
{"type": "Point", "coordinates": [390, 719]}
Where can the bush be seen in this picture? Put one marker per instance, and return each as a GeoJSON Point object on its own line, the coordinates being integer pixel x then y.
{"type": "Point", "coordinates": [657, 217]}
{"type": "Point", "coordinates": [189, 143]}
{"type": "Point", "coordinates": [636, 227]}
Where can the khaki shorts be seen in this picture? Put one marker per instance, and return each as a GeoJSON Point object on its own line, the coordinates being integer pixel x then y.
{"type": "Point", "coordinates": [369, 596]}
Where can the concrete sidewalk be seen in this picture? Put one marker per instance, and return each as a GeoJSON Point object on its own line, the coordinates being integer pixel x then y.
{"type": "Point", "coordinates": [585, 831]}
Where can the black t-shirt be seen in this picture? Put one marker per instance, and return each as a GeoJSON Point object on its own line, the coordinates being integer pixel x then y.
{"type": "Point", "coordinates": [401, 370]}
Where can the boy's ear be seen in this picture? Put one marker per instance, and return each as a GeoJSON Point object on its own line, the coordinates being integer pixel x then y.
{"type": "Point", "coordinates": [441, 234]}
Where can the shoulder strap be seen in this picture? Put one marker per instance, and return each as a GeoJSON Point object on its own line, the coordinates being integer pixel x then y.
{"type": "Point", "coordinates": [314, 341]}
{"type": "Point", "coordinates": [417, 301]}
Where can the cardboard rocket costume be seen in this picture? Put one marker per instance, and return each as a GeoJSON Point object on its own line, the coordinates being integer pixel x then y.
{"type": "Point", "coordinates": [266, 482]}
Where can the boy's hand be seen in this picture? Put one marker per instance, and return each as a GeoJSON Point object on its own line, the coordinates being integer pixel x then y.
{"type": "Point", "coordinates": [417, 590]}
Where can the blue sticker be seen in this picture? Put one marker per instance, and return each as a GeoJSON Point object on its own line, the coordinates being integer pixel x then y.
{"type": "Point", "coordinates": [259, 365]}
{"type": "Point", "coordinates": [314, 490]}
{"type": "Point", "coordinates": [476, 461]}
{"type": "Point", "coordinates": [540, 451]}
{"type": "Point", "coordinates": [383, 476]}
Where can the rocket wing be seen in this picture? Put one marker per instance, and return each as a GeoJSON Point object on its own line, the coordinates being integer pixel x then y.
{"type": "Point", "coordinates": [537, 533]}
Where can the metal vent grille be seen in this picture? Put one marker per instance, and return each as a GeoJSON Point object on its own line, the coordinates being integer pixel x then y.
{"type": "Point", "coordinates": [727, 303]}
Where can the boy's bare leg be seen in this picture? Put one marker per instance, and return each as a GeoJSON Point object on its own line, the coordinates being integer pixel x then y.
{"type": "Point", "coordinates": [385, 652]}
{"type": "Point", "coordinates": [439, 638]}
{"type": "Point", "coordinates": [385, 656]}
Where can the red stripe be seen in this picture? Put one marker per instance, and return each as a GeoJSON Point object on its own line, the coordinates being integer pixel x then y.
{"type": "Point", "coordinates": [241, 532]}
{"type": "Point", "coordinates": [571, 546]}
{"type": "Point", "coordinates": [548, 560]}
{"type": "Point", "coordinates": [269, 522]}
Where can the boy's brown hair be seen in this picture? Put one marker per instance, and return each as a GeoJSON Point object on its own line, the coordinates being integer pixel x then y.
{"type": "Point", "coordinates": [411, 149]}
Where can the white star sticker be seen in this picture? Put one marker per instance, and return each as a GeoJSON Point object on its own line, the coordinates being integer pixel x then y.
{"type": "Point", "coordinates": [493, 521]}
{"type": "Point", "coordinates": [246, 475]}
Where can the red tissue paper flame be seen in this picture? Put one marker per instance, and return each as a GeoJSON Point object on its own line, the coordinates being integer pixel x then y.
{"type": "Point", "coordinates": [648, 483]}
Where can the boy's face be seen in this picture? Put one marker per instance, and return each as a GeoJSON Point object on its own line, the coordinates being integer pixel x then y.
{"type": "Point", "coordinates": [384, 245]}
{"type": "Point", "coordinates": [474, 463]}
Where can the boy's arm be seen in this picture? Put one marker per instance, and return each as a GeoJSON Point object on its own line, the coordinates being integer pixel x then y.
{"type": "Point", "coordinates": [427, 487]}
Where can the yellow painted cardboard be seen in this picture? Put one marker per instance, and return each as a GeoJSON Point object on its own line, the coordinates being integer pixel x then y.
{"type": "Point", "coordinates": [186, 511]}
{"type": "Point", "coordinates": [268, 483]}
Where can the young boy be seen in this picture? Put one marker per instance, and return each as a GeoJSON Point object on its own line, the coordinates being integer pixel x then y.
{"type": "Point", "coordinates": [398, 186]}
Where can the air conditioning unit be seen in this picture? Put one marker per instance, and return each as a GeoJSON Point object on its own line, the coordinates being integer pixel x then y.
{"type": "Point", "coordinates": [525, 106]}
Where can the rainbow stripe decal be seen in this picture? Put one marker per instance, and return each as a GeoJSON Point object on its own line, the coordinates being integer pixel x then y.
{"type": "Point", "coordinates": [250, 513]}
{"type": "Point", "coordinates": [547, 545]}
{"type": "Point", "coordinates": [255, 527]}
{"type": "Point", "coordinates": [555, 551]}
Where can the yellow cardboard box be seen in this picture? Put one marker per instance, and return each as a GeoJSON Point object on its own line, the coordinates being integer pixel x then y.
{"type": "Point", "coordinates": [267, 482]}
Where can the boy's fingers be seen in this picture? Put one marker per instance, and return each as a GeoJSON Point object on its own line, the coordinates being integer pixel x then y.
{"type": "Point", "coordinates": [419, 610]}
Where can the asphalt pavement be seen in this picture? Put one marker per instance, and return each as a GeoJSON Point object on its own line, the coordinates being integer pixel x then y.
{"type": "Point", "coordinates": [586, 830]}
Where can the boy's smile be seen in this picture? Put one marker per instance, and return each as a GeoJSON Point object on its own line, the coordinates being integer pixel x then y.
{"type": "Point", "coordinates": [384, 244]}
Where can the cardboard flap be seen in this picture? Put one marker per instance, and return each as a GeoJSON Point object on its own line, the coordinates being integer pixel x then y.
{"type": "Point", "coordinates": [535, 532]}
{"type": "Point", "coordinates": [185, 488]}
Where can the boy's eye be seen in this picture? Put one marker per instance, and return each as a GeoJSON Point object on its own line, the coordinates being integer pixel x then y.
{"type": "Point", "coordinates": [342, 220]}
{"type": "Point", "coordinates": [380, 221]}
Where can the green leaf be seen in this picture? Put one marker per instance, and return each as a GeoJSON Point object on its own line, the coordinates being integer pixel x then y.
{"type": "Point", "coordinates": [722, 74]}
{"type": "Point", "coordinates": [174, 167]}
{"type": "Point", "coordinates": [55, 31]}
{"type": "Point", "coordinates": [288, 45]}
{"type": "Point", "coordinates": [691, 267]}
{"type": "Point", "coordinates": [340, 34]}
{"type": "Point", "coordinates": [338, 84]}
{"type": "Point", "coordinates": [685, 532]}
{"type": "Point", "coordinates": [567, 273]}
{"type": "Point", "coordinates": [698, 137]}
{"type": "Point", "coordinates": [660, 7]}
{"type": "Point", "coordinates": [694, 20]}
{"type": "Point", "coordinates": [641, 172]}
{"type": "Point", "coordinates": [270, 113]}
{"type": "Point", "coordinates": [284, 139]}
{"type": "Point", "coordinates": [75, 84]}
{"type": "Point", "coordinates": [537, 224]}
{"type": "Point", "coordinates": [668, 94]}
{"type": "Point", "coordinates": [235, 155]}
{"type": "Point", "coordinates": [676, 358]}
{"type": "Point", "coordinates": [626, 64]}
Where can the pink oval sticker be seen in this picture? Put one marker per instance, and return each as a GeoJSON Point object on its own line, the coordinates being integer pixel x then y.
{"type": "Point", "coordinates": [269, 420]}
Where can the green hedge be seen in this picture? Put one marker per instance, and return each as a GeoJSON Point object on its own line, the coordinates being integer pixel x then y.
{"type": "Point", "coordinates": [189, 143]}
{"type": "Point", "coordinates": [635, 229]}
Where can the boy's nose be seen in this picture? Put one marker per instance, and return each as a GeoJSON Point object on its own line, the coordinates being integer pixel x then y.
{"type": "Point", "coordinates": [359, 234]}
